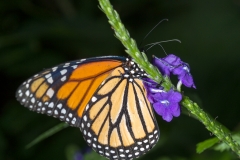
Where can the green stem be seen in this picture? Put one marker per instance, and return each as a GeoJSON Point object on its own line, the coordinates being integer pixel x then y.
{"type": "Point", "coordinates": [131, 48]}
{"type": "Point", "coordinates": [211, 124]}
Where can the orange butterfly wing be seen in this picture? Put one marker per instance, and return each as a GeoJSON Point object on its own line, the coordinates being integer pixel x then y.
{"type": "Point", "coordinates": [64, 91]}
{"type": "Point", "coordinates": [118, 122]}
{"type": "Point", "coordinates": [104, 97]}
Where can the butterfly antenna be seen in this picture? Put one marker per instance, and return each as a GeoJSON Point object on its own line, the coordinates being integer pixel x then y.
{"type": "Point", "coordinates": [152, 30]}
{"type": "Point", "coordinates": [171, 40]}
{"type": "Point", "coordinates": [159, 43]}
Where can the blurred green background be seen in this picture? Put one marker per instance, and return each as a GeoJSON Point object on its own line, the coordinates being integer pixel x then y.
{"type": "Point", "coordinates": [38, 34]}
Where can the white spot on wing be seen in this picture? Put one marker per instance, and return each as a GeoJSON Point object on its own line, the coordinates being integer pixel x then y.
{"type": "Point", "coordinates": [51, 105]}
{"type": "Point", "coordinates": [63, 78]}
{"type": "Point", "coordinates": [85, 118]}
{"type": "Point", "coordinates": [27, 93]}
{"type": "Point", "coordinates": [63, 71]}
{"type": "Point", "coordinates": [59, 106]}
{"type": "Point", "coordinates": [50, 80]}
{"type": "Point", "coordinates": [87, 107]}
{"type": "Point", "coordinates": [74, 66]}
{"type": "Point", "coordinates": [50, 92]}
{"type": "Point", "coordinates": [122, 155]}
{"type": "Point", "coordinates": [48, 75]}
{"type": "Point", "coordinates": [137, 153]}
{"type": "Point", "coordinates": [63, 111]}
{"type": "Point", "coordinates": [73, 122]}
{"type": "Point", "coordinates": [94, 99]}
{"type": "Point", "coordinates": [33, 100]}
{"type": "Point", "coordinates": [54, 69]}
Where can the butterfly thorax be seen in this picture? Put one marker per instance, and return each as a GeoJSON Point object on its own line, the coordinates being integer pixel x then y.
{"type": "Point", "coordinates": [132, 70]}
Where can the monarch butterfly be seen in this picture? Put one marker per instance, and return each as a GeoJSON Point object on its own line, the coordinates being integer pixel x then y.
{"type": "Point", "coordinates": [104, 97]}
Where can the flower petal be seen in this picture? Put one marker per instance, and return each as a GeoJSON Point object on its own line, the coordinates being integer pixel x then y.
{"type": "Point", "coordinates": [187, 80]}
{"type": "Point", "coordinates": [175, 109]}
{"type": "Point", "coordinates": [167, 117]}
{"type": "Point", "coordinates": [173, 60]}
{"type": "Point", "coordinates": [159, 108]}
{"type": "Point", "coordinates": [163, 66]}
{"type": "Point", "coordinates": [175, 97]}
{"type": "Point", "coordinates": [177, 112]}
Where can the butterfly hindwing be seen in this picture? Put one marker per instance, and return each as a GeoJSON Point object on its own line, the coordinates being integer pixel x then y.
{"type": "Point", "coordinates": [118, 122]}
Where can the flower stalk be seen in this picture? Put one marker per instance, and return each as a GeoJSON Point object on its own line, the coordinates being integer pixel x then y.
{"type": "Point", "coordinates": [131, 48]}
{"type": "Point", "coordinates": [212, 125]}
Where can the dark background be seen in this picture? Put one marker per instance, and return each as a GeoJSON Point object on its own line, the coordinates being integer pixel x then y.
{"type": "Point", "coordinates": [38, 34]}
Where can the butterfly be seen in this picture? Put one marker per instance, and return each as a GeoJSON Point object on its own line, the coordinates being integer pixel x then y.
{"type": "Point", "coordinates": [104, 97]}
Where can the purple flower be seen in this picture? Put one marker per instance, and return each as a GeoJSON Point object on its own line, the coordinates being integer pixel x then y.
{"type": "Point", "coordinates": [78, 156]}
{"type": "Point", "coordinates": [173, 64]}
{"type": "Point", "coordinates": [167, 64]}
{"type": "Point", "coordinates": [152, 87]}
{"type": "Point", "coordinates": [167, 104]}
{"type": "Point", "coordinates": [184, 75]}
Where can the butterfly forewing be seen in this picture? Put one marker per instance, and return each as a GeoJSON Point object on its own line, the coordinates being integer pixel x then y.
{"type": "Point", "coordinates": [64, 91]}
